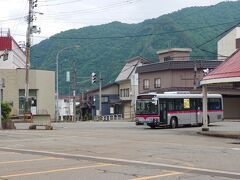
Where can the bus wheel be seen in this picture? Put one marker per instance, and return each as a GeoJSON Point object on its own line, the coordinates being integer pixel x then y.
{"type": "Point", "coordinates": [174, 123]}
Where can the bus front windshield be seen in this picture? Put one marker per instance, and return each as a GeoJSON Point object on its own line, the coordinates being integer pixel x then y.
{"type": "Point", "coordinates": [146, 107]}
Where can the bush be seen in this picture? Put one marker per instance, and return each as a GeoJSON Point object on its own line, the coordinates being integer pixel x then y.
{"type": "Point", "coordinates": [6, 109]}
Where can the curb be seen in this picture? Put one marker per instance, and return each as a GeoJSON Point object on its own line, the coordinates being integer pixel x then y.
{"type": "Point", "coordinates": [222, 134]}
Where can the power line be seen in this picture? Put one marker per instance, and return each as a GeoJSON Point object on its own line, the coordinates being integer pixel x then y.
{"type": "Point", "coordinates": [56, 4]}
{"type": "Point", "coordinates": [97, 9]}
{"type": "Point", "coordinates": [210, 40]}
{"type": "Point", "coordinates": [137, 35]}
{"type": "Point", "coordinates": [229, 29]}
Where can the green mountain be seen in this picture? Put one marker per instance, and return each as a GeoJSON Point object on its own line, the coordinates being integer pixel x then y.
{"type": "Point", "coordinates": [105, 48]}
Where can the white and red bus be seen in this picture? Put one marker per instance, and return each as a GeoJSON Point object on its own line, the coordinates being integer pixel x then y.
{"type": "Point", "coordinates": [172, 109]}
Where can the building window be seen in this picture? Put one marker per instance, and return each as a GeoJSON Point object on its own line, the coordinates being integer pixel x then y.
{"type": "Point", "coordinates": [121, 92]}
{"type": "Point", "coordinates": [105, 99]}
{"type": "Point", "coordinates": [124, 92]}
{"type": "Point", "coordinates": [145, 84]}
{"type": "Point", "coordinates": [168, 58]}
{"type": "Point", "coordinates": [32, 101]}
{"type": "Point", "coordinates": [157, 83]}
{"type": "Point", "coordinates": [238, 43]}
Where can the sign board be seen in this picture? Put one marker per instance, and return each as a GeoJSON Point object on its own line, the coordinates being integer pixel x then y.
{"type": "Point", "coordinates": [68, 76]}
{"type": "Point", "coordinates": [186, 103]}
{"type": "Point", "coordinates": [111, 110]}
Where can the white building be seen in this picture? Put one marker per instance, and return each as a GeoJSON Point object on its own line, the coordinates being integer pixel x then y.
{"type": "Point", "coordinates": [229, 43]}
{"type": "Point", "coordinates": [16, 56]}
{"type": "Point", "coordinates": [65, 107]}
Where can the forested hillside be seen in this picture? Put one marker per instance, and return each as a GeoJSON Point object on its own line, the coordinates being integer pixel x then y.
{"type": "Point", "coordinates": [105, 48]}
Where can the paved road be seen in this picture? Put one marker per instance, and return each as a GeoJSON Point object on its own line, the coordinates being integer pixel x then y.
{"type": "Point", "coordinates": [116, 150]}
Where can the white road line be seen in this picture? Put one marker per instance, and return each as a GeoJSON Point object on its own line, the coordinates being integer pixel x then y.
{"type": "Point", "coordinates": [30, 160]}
{"type": "Point", "coordinates": [56, 170]}
{"type": "Point", "coordinates": [116, 160]}
{"type": "Point", "coordinates": [158, 176]}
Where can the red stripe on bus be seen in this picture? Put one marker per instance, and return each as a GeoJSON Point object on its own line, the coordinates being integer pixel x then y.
{"type": "Point", "coordinates": [191, 111]}
{"type": "Point", "coordinates": [146, 116]}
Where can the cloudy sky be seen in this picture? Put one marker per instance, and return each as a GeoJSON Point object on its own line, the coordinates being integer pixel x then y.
{"type": "Point", "coordinates": [61, 15]}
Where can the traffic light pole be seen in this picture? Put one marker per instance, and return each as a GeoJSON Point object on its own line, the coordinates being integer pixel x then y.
{"type": "Point", "coordinates": [100, 96]}
{"type": "Point", "coordinates": [74, 90]}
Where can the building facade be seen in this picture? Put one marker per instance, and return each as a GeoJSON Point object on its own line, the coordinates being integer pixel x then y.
{"type": "Point", "coordinates": [172, 75]}
{"type": "Point", "coordinates": [128, 85]}
{"type": "Point", "coordinates": [90, 104]}
{"type": "Point", "coordinates": [41, 91]}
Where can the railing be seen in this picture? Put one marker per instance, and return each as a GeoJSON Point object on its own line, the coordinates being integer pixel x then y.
{"type": "Point", "coordinates": [108, 117]}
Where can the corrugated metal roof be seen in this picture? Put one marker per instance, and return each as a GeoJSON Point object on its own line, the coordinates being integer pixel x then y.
{"type": "Point", "coordinates": [201, 64]}
{"type": "Point", "coordinates": [174, 50]}
{"type": "Point", "coordinates": [228, 69]}
{"type": "Point", "coordinates": [130, 67]}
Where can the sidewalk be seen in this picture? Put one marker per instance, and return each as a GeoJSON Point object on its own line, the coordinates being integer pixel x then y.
{"type": "Point", "coordinates": [225, 129]}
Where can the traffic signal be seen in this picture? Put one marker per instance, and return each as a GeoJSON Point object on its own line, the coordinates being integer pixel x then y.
{"type": "Point", "coordinates": [94, 77]}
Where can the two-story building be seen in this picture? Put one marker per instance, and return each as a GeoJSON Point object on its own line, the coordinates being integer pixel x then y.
{"type": "Point", "coordinates": [128, 85]}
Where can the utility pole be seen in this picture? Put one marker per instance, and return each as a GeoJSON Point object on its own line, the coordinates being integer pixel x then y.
{"type": "Point", "coordinates": [74, 90]}
{"type": "Point", "coordinates": [2, 84]}
{"type": "Point", "coordinates": [195, 75]}
{"type": "Point", "coordinates": [30, 30]}
{"type": "Point", "coordinates": [28, 46]}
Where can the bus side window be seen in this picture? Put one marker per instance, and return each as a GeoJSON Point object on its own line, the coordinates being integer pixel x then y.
{"type": "Point", "coordinates": [171, 105]}
{"type": "Point", "coordinates": [194, 104]}
{"type": "Point", "coordinates": [214, 104]}
{"type": "Point", "coordinates": [178, 104]}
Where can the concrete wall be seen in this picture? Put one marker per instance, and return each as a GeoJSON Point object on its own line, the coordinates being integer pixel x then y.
{"type": "Point", "coordinates": [127, 110]}
{"type": "Point", "coordinates": [42, 81]}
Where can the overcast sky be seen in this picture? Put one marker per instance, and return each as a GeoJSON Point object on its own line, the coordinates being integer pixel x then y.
{"type": "Point", "coordinates": [61, 15]}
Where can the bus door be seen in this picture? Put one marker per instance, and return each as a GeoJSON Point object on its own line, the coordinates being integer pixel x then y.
{"type": "Point", "coordinates": [196, 109]}
{"type": "Point", "coordinates": [163, 111]}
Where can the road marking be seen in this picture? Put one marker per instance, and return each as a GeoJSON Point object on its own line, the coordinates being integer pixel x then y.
{"type": "Point", "coordinates": [58, 170]}
{"type": "Point", "coordinates": [30, 160]}
{"type": "Point", "coordinates": [158, 176]}
{"type": "Point", "coordinates": [236, 149]}
{"type": "Point", "coordinates": [195, 170]}
{"type": "Point", "coordinates": [1, 153]}
{"type": "Point", "coordinates": [176, 161]}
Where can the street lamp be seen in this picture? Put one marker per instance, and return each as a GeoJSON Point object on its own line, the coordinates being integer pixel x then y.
{"type": "Point", "coordinates": [61, 50]}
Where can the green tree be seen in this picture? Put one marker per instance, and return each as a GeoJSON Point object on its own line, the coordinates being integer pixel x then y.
{"type": "Point", "coordinates": [6, 109]}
